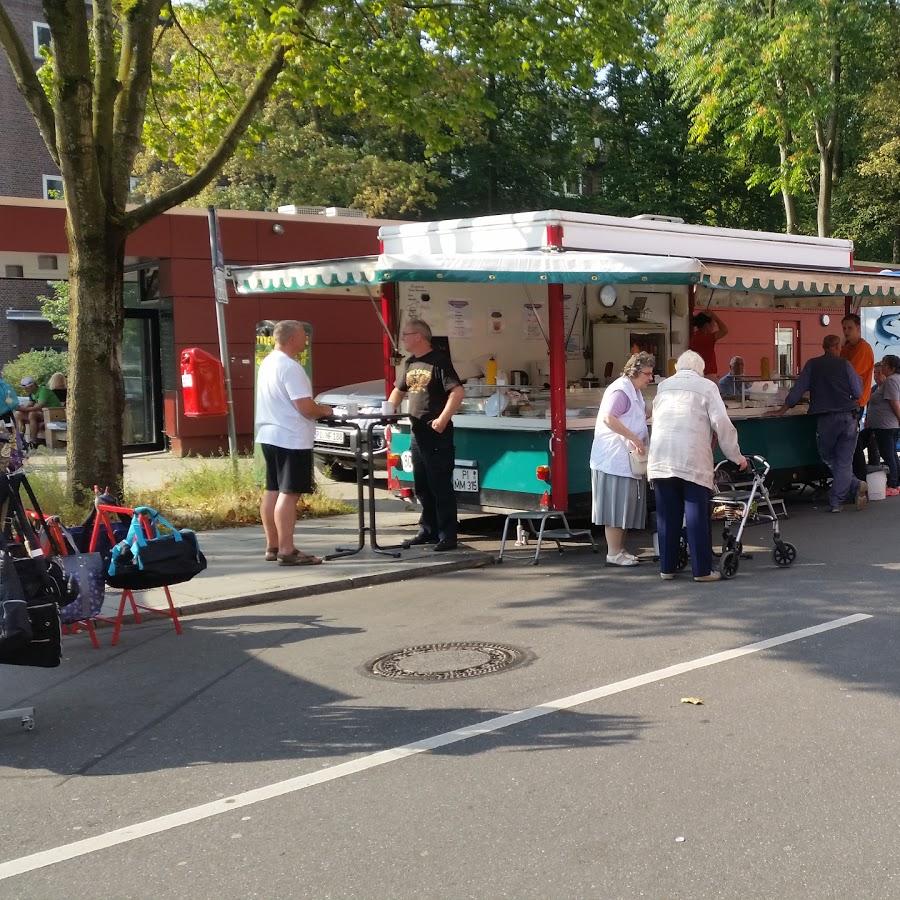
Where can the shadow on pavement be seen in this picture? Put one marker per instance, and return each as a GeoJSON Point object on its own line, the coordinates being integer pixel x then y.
{"type": "Point", "coordinates": [219, 702]}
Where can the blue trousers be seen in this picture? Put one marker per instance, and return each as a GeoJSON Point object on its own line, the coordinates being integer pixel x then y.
{"type": "Point", "coordinates": [679, 501]}
{"type": "Point", "coordinates": [836, 435]}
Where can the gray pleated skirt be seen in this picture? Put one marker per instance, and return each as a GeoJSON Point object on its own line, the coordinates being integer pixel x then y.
{"type": "Point", "coordinates": [618, 501]}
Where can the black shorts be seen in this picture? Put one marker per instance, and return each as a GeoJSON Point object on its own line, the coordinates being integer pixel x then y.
{"type": "Point", "coordinates": [288, 471]}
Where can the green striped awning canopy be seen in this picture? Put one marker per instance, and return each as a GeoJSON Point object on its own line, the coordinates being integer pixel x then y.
{"type": "Point", "coordinates": [358, 274]}
{"type": "Point", "coordinates": [348, 275]}
{"type": "Point", "coordinates": [803, 283]}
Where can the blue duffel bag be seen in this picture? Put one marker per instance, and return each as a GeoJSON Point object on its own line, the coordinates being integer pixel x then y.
{"type": "Point", "coordinates": [140, 562]}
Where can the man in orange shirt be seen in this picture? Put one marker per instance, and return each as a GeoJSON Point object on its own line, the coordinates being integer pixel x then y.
{"type": "Point", "coordinates": [860, 355]}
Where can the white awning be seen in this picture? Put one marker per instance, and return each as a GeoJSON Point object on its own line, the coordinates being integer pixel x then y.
{"type": "Point", "coordinates": [355, 275]}
{"type": "Point", "coordinates": [350, 275]}
{"type": "Point", "coordinates": [800, 283]}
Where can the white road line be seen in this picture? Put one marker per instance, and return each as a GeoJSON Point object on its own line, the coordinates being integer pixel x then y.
{"type": "Point", "coordinates": [301, 782]}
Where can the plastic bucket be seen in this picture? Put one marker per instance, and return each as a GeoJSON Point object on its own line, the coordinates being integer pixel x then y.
{"type": "Point", "coordinates": [877, 482]}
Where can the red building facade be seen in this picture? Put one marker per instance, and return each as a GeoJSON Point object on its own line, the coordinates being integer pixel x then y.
{"type": "Point", "coordinates": [174, 249]}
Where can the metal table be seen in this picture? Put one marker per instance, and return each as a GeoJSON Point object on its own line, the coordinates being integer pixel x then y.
{"type": "Point", "coordinates": [365, 465]}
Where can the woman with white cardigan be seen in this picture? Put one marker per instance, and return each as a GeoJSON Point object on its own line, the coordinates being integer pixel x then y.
{"type": "Point", "coordinates": [619, 494]}
{"type": "Point", "coordinates": [687, 412]}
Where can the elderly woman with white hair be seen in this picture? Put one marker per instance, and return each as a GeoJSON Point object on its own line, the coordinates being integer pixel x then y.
{"type": "Point", "coordinates": [619, 500]}
{"type": "Point", "coordinates": [687, 412]}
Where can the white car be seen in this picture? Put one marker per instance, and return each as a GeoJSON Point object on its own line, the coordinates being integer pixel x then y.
{"type": "Point", "coordinates": [335, 445]}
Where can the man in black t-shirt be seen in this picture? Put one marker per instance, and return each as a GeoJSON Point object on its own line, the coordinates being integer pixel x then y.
{"type": "Point", "coordinates": [435, 393]}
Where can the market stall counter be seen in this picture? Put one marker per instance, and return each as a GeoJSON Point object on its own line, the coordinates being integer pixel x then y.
{"type": "Point", "coordinates": [498, 460]}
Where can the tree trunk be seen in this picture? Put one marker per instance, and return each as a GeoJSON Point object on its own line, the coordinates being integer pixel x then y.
{"type": "Point", "coordinates": [790, 201]}
{"type": "Point", "coordinates": [96, 392]}
{"type": "Point", "coordinates": [826, 184]}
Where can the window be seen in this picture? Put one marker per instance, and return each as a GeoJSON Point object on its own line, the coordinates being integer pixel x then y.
{"type": "Point", "coordinates": [46, 261]}
{"type": "Point", "coordinates": [13, 271]}
{"type": "Point", "coordinates": [53, 187]}
{"type": "Point", "coordinates": [41, 33]}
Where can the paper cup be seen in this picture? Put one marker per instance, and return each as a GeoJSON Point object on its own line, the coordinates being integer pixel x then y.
{"type": "Point", "coordinates": [352, 409]}
{"type": "Point", "coordinates": [387, 408]}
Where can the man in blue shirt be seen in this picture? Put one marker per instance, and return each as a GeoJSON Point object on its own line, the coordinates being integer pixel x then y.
{"type": "Point", "coordinates": [834, 391]}
{"type": "Point", "coordinates": [730, 384]}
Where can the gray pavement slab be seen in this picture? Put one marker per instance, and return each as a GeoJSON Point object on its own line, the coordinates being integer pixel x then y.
{"type": "Point", "coordinates": [783, 783]}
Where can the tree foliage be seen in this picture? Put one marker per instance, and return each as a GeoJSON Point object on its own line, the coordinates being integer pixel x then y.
{"type": "Point", "coordinates": [423, 64]}
{"type": "Point", "coordinates": [36, 364]}
{"type": "Point", "coordinates": [782, 74]}
{"type": "Point", "coordinates": [55, 308]}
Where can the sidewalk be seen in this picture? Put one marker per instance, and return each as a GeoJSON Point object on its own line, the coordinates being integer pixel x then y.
{"type": "Point", "coordinates": [237, 575]}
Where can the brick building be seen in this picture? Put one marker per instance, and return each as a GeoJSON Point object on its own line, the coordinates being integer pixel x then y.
{"type": "Point", "coordinates": [26, 170]}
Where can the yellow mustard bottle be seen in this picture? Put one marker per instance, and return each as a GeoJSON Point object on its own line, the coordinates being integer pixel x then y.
{"type": "Point", "coordinates": [490, 371]}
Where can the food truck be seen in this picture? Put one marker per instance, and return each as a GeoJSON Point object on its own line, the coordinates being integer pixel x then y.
{"type": "Point", "coordinates": [540, 311]}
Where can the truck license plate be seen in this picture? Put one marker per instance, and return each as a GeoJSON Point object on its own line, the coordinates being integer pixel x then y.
{"type": "Point", "coordinates": [465, 480]}
{"type": "Point", "coordinates": [329, 436]}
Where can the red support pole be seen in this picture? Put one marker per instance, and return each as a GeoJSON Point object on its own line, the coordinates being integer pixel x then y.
{"type": "Point", "coordinates": [388, 295]}
{"type": "Point", "coordinates": [559, 455]}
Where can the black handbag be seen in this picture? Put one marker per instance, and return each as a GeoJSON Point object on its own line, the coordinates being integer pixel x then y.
{"type": "Point", "coordinates": [15, 626]}
{"type": "Point", "coordinates": [42, 576]}
{"type": "Point", "coordinates": [141, 563]}
{"type": "Point", "coordinates": [30, 630]}
{"type": "Point", "coordinates": [44, 649]}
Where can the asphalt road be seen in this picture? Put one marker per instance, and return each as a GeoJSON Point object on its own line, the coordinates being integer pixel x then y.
{"type": "Point", "coordinates": [783, 783]}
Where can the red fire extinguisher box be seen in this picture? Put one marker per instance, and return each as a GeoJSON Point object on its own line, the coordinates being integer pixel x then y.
{"type": "Point", "coordinates": [202, 384]}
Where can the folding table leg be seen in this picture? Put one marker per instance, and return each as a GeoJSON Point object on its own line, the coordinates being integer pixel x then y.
{"type": "Point", "coordinates": [83, 625]}
{"type": "Point", "coordinates": [503, 539]}
{"type": "Point", "coordinates": [120, 615]}
{"type": "Point", "coordinates": [173, 613]}
{"type": "Point", "coordinates": [540, 540]}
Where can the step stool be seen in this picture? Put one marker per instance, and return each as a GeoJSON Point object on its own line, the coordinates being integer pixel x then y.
{"type": "Point", "coordinates": [562, 535]}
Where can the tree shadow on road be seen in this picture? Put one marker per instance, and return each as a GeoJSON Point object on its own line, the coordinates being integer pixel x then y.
{"type": "Point", "coordinates": [210, 697]}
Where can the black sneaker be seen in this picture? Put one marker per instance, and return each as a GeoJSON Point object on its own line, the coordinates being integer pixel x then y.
{"type": "Point", "coordinates": [441, 546]}
{"type": "Point", "coordinates": [419, 540]}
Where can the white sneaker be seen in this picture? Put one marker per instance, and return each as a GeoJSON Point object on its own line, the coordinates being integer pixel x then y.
{"type": "Point", "coordinates": [622, 559]}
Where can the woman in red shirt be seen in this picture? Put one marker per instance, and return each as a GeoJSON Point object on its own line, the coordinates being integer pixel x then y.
{"type": "Point", "coordinates": [708, 329]}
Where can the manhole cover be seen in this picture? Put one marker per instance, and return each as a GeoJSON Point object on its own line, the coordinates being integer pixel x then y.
{"type": "Point", "coordinates": [447, 662]}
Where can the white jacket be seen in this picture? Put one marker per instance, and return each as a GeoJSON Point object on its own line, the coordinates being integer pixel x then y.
{"type": "Point", "coordinates": [687, 411]}
{"type": "Point", "coordinates": [609, 452]}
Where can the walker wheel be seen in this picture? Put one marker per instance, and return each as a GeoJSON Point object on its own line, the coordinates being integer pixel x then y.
{"type": "Point", "coordinates": [784, 554]}
{"type": "Point", "coordinates": [683, 555]}
{"type": "Point", "coordinates": [28, 723]}
{"type": "Point", "coordinates": [729, 563]}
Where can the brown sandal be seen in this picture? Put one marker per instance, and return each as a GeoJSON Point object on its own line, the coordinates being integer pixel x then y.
{"type": "Point", "coordinates": [298, 558]}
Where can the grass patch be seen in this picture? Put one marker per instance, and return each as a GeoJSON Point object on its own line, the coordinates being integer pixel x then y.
{"type": "Point", "coordinates": [214, 495]}
{"type": "Point", "coordinates": [49, 487]}
{"type": "Point", "coordinates": [202, 497]}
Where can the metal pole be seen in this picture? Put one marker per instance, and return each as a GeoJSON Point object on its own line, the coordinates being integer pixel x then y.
{"type": "Point", "coordinates": [559, 459]}
{"type": "Point", "coordinates": [221, 295]}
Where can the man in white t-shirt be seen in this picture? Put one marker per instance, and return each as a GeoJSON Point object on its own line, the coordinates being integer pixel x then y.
{"type": "Point", "coordinates": [285, 430]}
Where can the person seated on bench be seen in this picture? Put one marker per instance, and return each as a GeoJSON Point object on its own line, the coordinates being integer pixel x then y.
{"type": "Point", "coordinates": [30, 417]}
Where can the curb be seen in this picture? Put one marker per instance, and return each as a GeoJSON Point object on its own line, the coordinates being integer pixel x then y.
{"type": "Point", "coordinates": [331, 587]}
